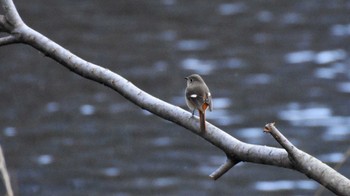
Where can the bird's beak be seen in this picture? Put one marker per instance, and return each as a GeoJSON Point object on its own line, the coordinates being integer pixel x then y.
{"type": "Point", "coordinates": [186, 78]}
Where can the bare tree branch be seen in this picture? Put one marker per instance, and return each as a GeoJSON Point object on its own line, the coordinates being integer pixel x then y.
{"type": "Point", "coordinates": [230, 162]}
{"type": "Point", "coordinates": [310, 166]}
{"type": "Point", "coordinates": [11, 13]}
{"type": "Point", "coordinates": [10, 39]}
{"type": "Point", "coordinates": [337, 167]}
{"type": "Point", "coordinates": [4, 174]}
{"type": "Point", "coordinates": [236, 151]}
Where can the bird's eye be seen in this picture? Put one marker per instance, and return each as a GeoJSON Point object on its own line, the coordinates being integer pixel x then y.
{"type": "Point", "coordinates": [191, 80]}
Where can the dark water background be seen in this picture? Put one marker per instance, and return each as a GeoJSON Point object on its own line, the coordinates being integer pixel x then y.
{"type": "Point", "coordinates": [265, 61]}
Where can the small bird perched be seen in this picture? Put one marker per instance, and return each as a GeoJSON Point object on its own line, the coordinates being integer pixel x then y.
{"type": "Point", "coordinates": [198, 97]}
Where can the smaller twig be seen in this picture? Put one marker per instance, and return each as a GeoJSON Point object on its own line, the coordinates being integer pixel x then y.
{"type": "Point", "coordinates": [279, 137]}
{"type": "Point", "coordinates": [293, 152]}
{"type": "Point", "coordinates": [5, 174]}
{"type": "Point", "coordinates": [229, 163]}
{"type": "Point", "coordinates": [10, 39]}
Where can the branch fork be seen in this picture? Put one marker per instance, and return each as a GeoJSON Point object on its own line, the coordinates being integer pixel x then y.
{"type": "Point", "coordinates": [309, 165]}
{"type": "Point", "coordinates": [9, 22]}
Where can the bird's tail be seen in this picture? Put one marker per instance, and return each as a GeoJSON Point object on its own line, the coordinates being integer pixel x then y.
{"type": "Point", "coordinates": [202, 116]}
{"type": "Point", "coordinates": [202, 120]}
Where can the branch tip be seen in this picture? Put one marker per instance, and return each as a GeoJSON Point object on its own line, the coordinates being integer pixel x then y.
{"type": "Point", "coordinates": [229, 163]}
{"type": "Point", "coordinates": [7, 40]}
{"type": "Point", "coordinates": [268, 127]}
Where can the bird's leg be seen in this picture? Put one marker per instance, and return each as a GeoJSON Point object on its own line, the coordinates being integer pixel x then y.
{"type": "Point", "coordinates": [193, 113]}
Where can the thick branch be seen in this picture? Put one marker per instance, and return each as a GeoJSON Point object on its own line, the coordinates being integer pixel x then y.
{"type": "Point", "coordinates": [336, 167]}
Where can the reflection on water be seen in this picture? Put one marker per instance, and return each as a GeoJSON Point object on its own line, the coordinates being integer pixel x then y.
{"type": "Point", "coordinates": [295, 113]}
{"type": "Point", "coordinates": [198, 66]}
{"type": "Point", "coordinates": [87, 109]}
{"type": "Point", "coordinates": [286, 62]}
{"type": "Point", "coordinates": [340, 30]}
{"type": "Point", "coordinates": [110, 172]}
{"type": "Point", "coordinates": [323, 57]}
{"type": "Point", "coordinates": [343, 87]}
{"type": "Point", "coordinates": [339, 132]}
{"type": "Point", "coordinates": [45, 159]}
{"type": "Point", "coordinates": [192, 45]}
{"type": "Point", "coordinates": [335, 157]}
{"type": "Point", "coordinates": [286, 185]}
{"type": "Point", "coordinates": [331, 72]}
{"type": "Point", "coordinates": [10, 131]}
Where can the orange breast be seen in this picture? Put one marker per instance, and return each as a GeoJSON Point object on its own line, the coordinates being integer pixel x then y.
{"type": "Point", "coordinates": [205, 106]}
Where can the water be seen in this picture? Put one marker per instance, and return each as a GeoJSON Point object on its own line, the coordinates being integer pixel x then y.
{"type": "Point", "coordinates": [284, 62]}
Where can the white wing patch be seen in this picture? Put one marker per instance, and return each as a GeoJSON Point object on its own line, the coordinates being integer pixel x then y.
{"type": "Point", "coordinates": [194, 96]}
{"type": "Point", "coordinates": [209, 94]}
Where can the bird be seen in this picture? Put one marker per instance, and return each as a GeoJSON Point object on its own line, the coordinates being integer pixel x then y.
{"type": "Point", "coordinates": [198, 97]}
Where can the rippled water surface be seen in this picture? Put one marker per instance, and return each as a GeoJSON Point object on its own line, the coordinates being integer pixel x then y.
{"type": "Point", "coordinates": [264, 61]}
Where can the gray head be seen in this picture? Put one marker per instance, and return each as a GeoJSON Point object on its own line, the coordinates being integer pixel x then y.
{"type": "Point", "coordinates": [194, 78]}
